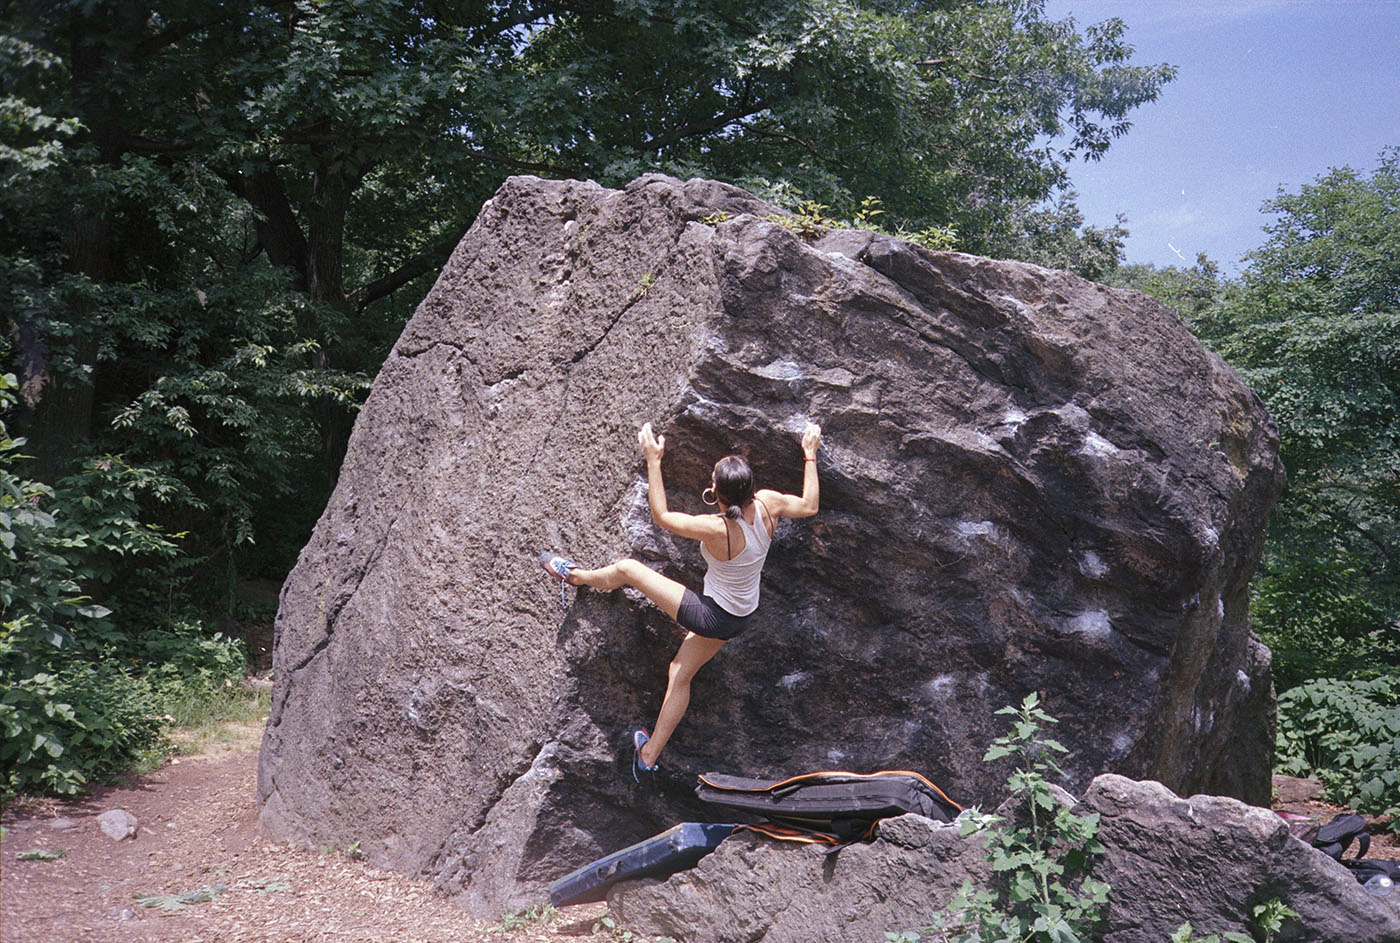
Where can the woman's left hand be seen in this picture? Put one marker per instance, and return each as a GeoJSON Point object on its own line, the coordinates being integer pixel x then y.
{"type": "Point", "coordinates": [653, 446]}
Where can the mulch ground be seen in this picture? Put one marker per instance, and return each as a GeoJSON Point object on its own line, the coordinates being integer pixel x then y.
{"type": "Point", "coordinates": [199, 829]}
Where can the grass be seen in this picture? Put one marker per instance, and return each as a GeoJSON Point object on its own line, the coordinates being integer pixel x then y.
{"type": "Point", "coordinates": [217, 718]}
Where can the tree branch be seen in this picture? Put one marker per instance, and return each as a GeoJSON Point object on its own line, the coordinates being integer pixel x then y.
{"type": "Point", "coordinates": [524, 164]}
{"type": "Point", "coordinates": [173, 34]}
{"type": "Point", "coordinates": [704, 126]}
{"type": "Point", "coordinates": [424, 262]}
{"type": "Point", "coordinates": [806, 145]}
{"type": "Point", "coordinates": [279, 231]}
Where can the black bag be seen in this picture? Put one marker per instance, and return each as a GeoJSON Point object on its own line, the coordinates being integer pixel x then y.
{"type": "Point", "coordinates": [833, 808]}
{"type": "Point", "coordinates": [662, 855]}
{"type": "Point", "coordinates": [1336, 836]}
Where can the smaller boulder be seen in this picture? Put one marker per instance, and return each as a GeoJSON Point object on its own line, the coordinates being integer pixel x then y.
{"type": "Point", "coordinates": [1291, 790]}
{"type": "Point", "coordinates": [1208, 860]}
{"type": "Point", "coordinates": [63, 824]}
{"type": "Point", "coordinates": [117, 824]}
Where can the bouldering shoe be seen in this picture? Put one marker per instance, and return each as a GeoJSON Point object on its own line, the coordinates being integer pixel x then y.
{"type": "Point", "coordinates": [559, 568]}
{"type": "Point", "coordinates": [639, 766]}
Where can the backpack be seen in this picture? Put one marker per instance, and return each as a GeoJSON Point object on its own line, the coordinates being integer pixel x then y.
{"type": "Point", "coordinates": [1336, 836]}
{"type": "Point", "coordinates": [1333, 840]}
{"type": "Point", "coordinates": [831, 808]}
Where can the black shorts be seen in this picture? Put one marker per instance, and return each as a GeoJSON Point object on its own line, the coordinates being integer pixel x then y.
{"type": "Point", "coordinates": [703, 616]}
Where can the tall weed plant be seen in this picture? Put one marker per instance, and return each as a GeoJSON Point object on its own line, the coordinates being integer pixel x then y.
{"type": "Point", "coordinates": [1042, 889]}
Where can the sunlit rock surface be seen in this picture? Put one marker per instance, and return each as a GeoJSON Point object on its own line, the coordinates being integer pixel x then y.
{"type": "Point", "coordinates": [1029, 482]}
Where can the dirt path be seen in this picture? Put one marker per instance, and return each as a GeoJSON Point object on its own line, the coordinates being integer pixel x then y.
{"type": "Point", "coordinates": [198, 828]}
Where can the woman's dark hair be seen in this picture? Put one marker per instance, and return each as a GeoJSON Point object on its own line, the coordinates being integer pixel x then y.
{"type": "Point", "coordinates": [733, 484]}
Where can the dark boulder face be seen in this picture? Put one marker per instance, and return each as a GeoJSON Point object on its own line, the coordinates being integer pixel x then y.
{"type": "Point", "coordinates": [1029, 482]}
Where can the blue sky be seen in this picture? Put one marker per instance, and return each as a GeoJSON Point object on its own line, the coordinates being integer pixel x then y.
{"type": "Point", "coordinates": [1268, 93]}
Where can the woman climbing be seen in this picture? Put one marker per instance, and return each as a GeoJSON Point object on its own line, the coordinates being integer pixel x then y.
{"type": "Point", "coordinates": [733, 542]}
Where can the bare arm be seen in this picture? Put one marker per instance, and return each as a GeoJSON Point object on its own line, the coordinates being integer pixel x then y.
{"type": "Point", "coordinates": [697, 527]}
{"type": "Point", "coordinates": [791, 505]}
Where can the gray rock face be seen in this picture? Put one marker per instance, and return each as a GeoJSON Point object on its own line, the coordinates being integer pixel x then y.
{"type": "Point", "coordinates": [1029, 482]}
{"type": "Point", "coordinates": [1208, 860]}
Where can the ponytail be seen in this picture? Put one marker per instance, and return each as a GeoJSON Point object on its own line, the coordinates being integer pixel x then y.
{"type": "Point", "coordinates": [733, 484]}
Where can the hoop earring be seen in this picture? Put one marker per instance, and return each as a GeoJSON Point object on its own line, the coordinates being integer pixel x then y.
{"type": "Point", "coordinates": [712, 500]}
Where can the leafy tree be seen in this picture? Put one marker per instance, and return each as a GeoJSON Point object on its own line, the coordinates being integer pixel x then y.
{"type": "Point", "coordinates": [1056, 236]}
{"type": "Point", "coordinates": [218, 214]}
{"type": "Point", "coordinates": [237, 203]}
{"type": "Point", "coordinates": [1197, 293]}
{"type": "Point", "coordinates": [1315, 329]}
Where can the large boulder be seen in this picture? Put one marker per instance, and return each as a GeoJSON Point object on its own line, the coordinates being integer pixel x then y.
{"type": "Point", "coordinates": [1208, 860]}
{"type": "Point", "coordinates": [1029, 482]}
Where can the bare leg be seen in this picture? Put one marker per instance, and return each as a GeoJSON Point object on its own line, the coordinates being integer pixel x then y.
{"type": "Point", "coordinates": [694, 652]}
{"type": "Point", "coordinates": [662, 590]}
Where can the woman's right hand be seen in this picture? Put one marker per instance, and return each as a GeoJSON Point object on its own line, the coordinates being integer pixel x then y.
{"type": "Point", "coordinates": [811, 440]}
{"type": "Point", "coordinates": [653, 446]}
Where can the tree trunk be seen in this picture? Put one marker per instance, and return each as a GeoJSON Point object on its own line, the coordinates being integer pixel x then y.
{"type": "Point", "coordinates": [325, 240]}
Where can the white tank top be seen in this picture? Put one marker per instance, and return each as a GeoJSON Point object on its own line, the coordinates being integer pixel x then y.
{"type": "Point", "coordinates": [734, 583]}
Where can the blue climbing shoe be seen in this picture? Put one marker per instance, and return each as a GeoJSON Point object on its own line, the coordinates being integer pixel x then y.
{"type": "Point", "coordinates": [559, 568]}
{"type": "Point", "coordinates": [639, 766]}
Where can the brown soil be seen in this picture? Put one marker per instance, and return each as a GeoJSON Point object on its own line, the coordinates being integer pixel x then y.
{"type": "Point", "coordinates": [198, 828]}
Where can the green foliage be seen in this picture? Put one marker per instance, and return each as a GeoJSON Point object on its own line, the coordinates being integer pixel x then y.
{"type": "Point", "coordinates": [1196, 294]}
{"type": "Point", "coordinates": [41, 854]}
{"type": "Point", "coordinates": [1347, 734]}
{"type": "Point", "coordinates": [1042, 889]}
{"type": "Point", "coordinates": [183, 900]}
{"type": "Point", "coordinates": [81, 722]}
{"type": "Point", "coordinates": [1187, 934]}
{"type": "Point", "coordinates": [1313, 327]}
{"type": "Point", "coordinates": [80, 700]}
{"type": "Point", "coordinates": [1268, 920]}
{"type": "Point", "coordinates": [534, 916]}
{"type": "Point", "coordinates": [1054, 234]}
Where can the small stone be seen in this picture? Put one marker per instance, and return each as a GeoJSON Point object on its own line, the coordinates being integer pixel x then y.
{"type": "Point", "coordinates": [63, 824]}
{"type": "Point", "coordinates": [117, 824]}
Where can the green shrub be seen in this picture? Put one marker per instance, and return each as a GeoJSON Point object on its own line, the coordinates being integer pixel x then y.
{"type": "Point", "coordinates": [81, 696]}
{"type": "Point", "coordinates": [1347, 734]}
{"type": "Point", "coordinates": [1041, 890]}
{"type": "Point", "coordinates": [80, 723]}
{"type": "Point", "coordinates": [84, 720]}
{"type": "Point", "coordinates": [1265, 925]}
